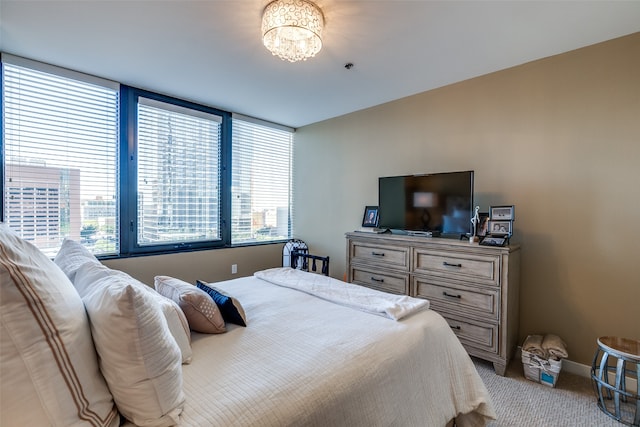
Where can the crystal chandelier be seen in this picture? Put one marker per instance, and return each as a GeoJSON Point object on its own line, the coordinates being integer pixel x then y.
{"type": "Point", "coordinates": [292, 29]}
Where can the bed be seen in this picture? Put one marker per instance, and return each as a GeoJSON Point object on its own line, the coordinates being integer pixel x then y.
{"type": "Point", "coordinates": [353, 357]}
{"type": "Point", "coordinates": [306, 361]}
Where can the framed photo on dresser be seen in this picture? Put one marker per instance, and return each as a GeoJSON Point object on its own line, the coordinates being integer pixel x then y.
{"type": "Point", "coordinates": [500, 213]}
{"type": "Point", "coordinates": [499, 228]}
{"type": "Point", "coordinates": [370, 218]}
{"type": "Point", "coordinates": [483, 225]}
{"type": "Point", "coordinates": [494, 241]}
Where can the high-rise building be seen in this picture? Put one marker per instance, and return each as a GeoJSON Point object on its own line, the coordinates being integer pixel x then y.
{"type": "Point", "coordinates": [42, 204]}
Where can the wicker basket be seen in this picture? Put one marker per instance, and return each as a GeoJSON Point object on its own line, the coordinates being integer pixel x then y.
{"type": "Point", "coordinates": [540, 370]}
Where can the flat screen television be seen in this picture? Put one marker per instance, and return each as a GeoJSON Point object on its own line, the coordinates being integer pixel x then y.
{"type": "Point", "coordinates": [438, 204]}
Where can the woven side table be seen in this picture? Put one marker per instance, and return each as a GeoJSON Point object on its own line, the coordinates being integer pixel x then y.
{"type": "Point", "coordinates": [614, 361]}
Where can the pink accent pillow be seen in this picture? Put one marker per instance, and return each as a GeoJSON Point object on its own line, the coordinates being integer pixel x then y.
{"type": "Point", "coordinates": [202, 312]}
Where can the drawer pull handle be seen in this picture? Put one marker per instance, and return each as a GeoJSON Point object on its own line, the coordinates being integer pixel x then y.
{"type": "Point", "coordinates": [448, 264]}
{"type": "Point", "coordinates": [457, 328]}
{"type": "Point", "coordinates": [373, 279]}
{"type": "Point", "coordinates": [377, 253]}
{"type": "Point", "coordinates": [450, 295]}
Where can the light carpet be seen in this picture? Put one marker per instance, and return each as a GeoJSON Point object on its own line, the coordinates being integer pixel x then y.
{"type": "Point", "coordinates": [521, 402]}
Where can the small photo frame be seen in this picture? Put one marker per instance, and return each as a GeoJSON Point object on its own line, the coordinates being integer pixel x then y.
{"type": "Point", "coordinates": [493, 241]}
{"type": "Point", "coordinates": [499, 228]}
{"type": "Point", "coordinates": [483, 225]}
{"type": "Point", "coordinates": [370, 218]}
{"type": "Point", "coordinates": [499, 213]}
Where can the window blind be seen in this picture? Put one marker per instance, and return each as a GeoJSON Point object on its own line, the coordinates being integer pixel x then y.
{"type": "Point", "coordinates": [261, 181]}
{"type": "Point", "coordinates": [61, 140]}
{"type": "Point", "coordinates": [178, 174]}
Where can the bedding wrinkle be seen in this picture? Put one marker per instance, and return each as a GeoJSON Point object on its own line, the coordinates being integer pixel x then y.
{"type": "Point", "coordinates": [270, 374]}
{"type": "Point", "coordinates": [358, 297]}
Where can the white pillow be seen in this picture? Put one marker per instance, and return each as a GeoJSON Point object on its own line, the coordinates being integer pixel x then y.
{"type": "Point", "coordinates": [71, 256]}
{"type": "Point", "coordinates": [48, 365]}
{"type": "Point", "coordinates": [175, 317]}
{"type": "Point", "coordinates": [138, 356]}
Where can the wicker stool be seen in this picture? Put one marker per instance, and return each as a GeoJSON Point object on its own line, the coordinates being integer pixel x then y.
{"type": "Point", "coordinates": [614, 399]}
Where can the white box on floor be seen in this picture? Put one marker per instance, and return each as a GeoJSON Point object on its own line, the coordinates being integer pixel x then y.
{"type": "Point", "coordinates": [540, 370]}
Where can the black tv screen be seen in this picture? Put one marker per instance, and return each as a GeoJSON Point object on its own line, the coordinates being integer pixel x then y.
{"type": "Point", "coordinates": [440, 203]}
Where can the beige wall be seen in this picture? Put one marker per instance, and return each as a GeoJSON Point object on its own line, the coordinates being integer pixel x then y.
{"type": "Point", "coordinates": [559, 138]}
{"type": "Point", "coordinates": [209, 266]}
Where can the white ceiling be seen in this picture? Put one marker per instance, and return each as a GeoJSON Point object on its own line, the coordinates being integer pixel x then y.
{"type": "Point", "coordinates": [211, 52]}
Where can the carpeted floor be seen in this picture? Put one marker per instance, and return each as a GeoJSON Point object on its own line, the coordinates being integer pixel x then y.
{"type": "Point", "coordinates": [520, 402]}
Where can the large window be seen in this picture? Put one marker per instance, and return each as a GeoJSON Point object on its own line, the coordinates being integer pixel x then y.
{"type": "Point", "coordinates": [178, 174]}
{"type": "Point", "coordinates": [261, 181]}
{"type": "Point", "coordinates": [60, 140]}
{"type": "Point", "coordinates": [127, 171]}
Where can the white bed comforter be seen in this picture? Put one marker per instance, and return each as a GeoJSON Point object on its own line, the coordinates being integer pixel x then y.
{"type": "Point", "coordinates": [304, 361]}
{"type": "Point", "coordinates": [359, 297]}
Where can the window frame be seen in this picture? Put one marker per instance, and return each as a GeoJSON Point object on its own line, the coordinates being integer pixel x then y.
{"type": "Point", "coordinates": [129, 175]}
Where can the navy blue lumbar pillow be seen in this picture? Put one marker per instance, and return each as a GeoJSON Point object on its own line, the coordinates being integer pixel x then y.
{"type": "Point", "coordinates": [230, 307]}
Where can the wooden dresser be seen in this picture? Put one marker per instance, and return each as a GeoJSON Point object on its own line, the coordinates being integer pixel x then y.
{"type": "Point", "coordinates": [475, 288]}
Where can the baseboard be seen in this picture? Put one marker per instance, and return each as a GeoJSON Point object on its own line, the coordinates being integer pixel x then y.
{"type": "Point", "coordinates": [576, 368]}
{"type": "Point", "coordinates": [581, 370]}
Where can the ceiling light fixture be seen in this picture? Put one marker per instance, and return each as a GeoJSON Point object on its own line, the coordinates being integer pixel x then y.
{"type": "Point", "coordinates": [292, 29]}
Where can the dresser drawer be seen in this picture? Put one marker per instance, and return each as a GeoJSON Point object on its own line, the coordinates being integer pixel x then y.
{"type": "Point", "coordinates": [380, 255]}
{"type": "Point", "coordinates": [449, 298]}
{"type": "Point", "coordinates": [477, 335]}
{"type": "Point", "coordinates": [382, 281]}
{"type": "Point", "coordinates": [479, 269]}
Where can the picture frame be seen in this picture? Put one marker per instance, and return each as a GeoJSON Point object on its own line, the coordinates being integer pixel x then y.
{"type": "Point", "coordinates": [499, 213]}
{"type": "Point", "coordinates": [370, 217]}
{"type": "Point", "coordinates": [494, 241]}
{"type": "Point", "coordinates": [483, 225]}
{"type": "Point", "coordinates": [500, 228]}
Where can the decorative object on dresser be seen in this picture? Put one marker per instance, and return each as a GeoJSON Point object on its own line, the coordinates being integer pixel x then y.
{"type": "Point", "coordinates": [502, 213]}
{"type": "Point", "coordinates": [370, 220]}
{"type": "Point", "coordinates": [483, 224]}
{"type": "Point", "coordinates": [475, 288]}
{"type": "Point", "coordinates": [501, 220]}
{"type": "Point", "coordinates": [494, 241]}
{"type": "Point", "coordinates": [475, 222]}
{"type": "Point", "coordinates": [499, 226]}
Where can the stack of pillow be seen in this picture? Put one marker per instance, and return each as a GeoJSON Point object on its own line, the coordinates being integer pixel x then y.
{"type": "Point", "coordinates": [82, 343]}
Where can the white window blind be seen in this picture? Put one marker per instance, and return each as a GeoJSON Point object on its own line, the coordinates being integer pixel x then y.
{"type": "Point", "coordinates": [178, 174]}
{"type": "Point", "coordinates": [60, 156]}
{"type": "Point", "coordinates": [261, 181]}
